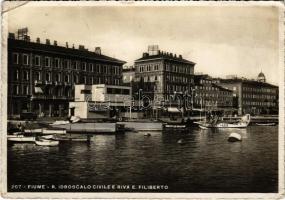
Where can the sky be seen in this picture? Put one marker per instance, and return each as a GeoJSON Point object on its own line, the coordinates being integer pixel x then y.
{"type": "Point", "coordinates": [228, 40]}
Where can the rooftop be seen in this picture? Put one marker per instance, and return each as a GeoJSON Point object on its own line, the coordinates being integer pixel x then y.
{"type": "Point", "coordinates": [164, 55]}
{"type": "Point", "coordinates": [81, 52]}
{"type": "Point", "coordinates": [242, 80]}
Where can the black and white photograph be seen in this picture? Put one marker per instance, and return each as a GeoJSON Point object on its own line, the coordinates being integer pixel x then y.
{"type": "Point", "coordinates": [147, 98]}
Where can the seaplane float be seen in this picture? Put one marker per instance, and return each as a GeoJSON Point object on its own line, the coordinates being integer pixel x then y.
{"type": "Point", "coordinates": [242, 123]}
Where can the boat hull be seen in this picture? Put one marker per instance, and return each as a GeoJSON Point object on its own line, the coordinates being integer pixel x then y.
{"type": "Point", "coordinates": [47, 143]}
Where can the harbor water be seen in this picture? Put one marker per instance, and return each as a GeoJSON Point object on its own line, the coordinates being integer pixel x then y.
{"type": "Point", "coordinates": [204, 162]}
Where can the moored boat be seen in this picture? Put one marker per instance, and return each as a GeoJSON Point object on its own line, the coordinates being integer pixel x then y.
{"type": "Point", "coordinates": [44, 142]}
{"type": "Point", "coordinates": [71, 138]}
{"type": "Point", "coordinates": [242, 123]}
{"type": "Point", "coordinates": [266, 124]}
{"type": "Point", "coordinates": [20, 137]}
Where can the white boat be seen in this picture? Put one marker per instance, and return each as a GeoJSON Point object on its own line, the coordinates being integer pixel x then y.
{"type": "Point", "coordinates": [234, 137]}
{"type": "Point", "coordinates": [20, 137]}
{"type": "Point", "coordinates": [242, 123]}
{"type": "Point", "coordinates": [47, 137]}
{"type": "Point", "coordinates": [265, 124]}
{"type": "Point", "coordinates": [43, 142]}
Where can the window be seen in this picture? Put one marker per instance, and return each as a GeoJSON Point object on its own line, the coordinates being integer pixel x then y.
{"type": "Point", "coordinates": [155, 78]}
{"type": "Point", "coordinates": [97, 68]}
{"type": "Point", "coordinates": [117, 82]}
{"type": "Point", "coordinates": [66, 78]}
{"type": "Point", "coordinates": [57, 63]}
{"type": "Point", "coordinates": [15, 58]}
{"type": "Point", "coordinates": [25, 59]}
{"type": "Point", "coordinates": [85, 91]}
{"type": "Point", "coordinates": [48, 76]}
{"type": "Point", "coordinates": [91, 69]}
{"type": "Point", "coordinates": [16, 89]}
{"type": "Point", "coordinates": [47, 61]}
{"type": "Point", "coordinates": [66, 64]}
{"type": "Point", "coordinates": [84, 79]}
{"type": "Point", "coordinates": [83, 66]}
{"type": "Point", "coordinates": [58, 79]}
{"type": "Point", "coordinates": [16, 75]}
{"type": "Point", "coordinates": [26, 75]}
{"type": "Point", "coordinates": [38, 76]}
{"type": "Point", "coordinates": [37, 61]}
{"type": "Point", "coordinates": [25, 89]}
{"type": "Point", "coordinates": [75, 79]}
{"type": "Point", "coordinates": [156, 67]}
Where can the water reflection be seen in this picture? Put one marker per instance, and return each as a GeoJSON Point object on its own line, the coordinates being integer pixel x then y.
{"type": "Point", "coordinates": [207, 162]}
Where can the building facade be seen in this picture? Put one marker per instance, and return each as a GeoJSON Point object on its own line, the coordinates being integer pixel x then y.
{"type": "Point", "coordinates": [254, 96]}
{"type": "Point", "coordinates": [100, 101]}
{"type": "Point", "coordinates": [41, 76]}
{"type": "Point", "coordinates": [170, 74]}
{"type": "Point", "coordinates": [209, 96]}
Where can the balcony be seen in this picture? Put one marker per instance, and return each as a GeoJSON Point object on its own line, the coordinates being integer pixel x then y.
{"type": "Point", "coordinates": [37, 82]}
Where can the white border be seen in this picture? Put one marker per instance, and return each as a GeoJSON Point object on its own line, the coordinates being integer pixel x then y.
{"type": "Point", "coordinates": [3, 111]}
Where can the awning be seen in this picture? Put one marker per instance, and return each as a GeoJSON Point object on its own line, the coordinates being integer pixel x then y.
{"type": "Point", "coordinates": [173, 110]}
{"type": "Point", "coordinates": [38, 90]}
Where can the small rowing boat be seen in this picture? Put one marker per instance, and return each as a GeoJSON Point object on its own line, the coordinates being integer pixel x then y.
{"type": "Point", "coordinates": [43, 142]}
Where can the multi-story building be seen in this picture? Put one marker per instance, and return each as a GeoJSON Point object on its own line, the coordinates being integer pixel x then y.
{"type": "Point", "coordinates": [41, 76]}
{"type": "Point", "coordinates": [128, 74]}
{"type": "Point", "coordinates": [171, 74]}
{"type": "Point", "coordinates": [254, 96]}
{"type": "Point", "coordinates": [210, 96]}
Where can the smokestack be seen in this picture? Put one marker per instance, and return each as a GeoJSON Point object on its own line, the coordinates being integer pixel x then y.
{"type": "Point", "coordinates": [38, 40]}
{"type": "Point", "coordinates": [66, 44]}
{"type": "Point", "coordinates": [55, 43]}
{"type": "Point", "coordinates": [47, 41]}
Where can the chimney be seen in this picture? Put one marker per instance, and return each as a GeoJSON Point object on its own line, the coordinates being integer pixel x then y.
{"type": "Point", "coordinates": [72, 46]}
{"type": "Point", "coordinates": [38, 40]}
{"type": "Point", "coordinates": [47, 41]}
{"type": "Point", "coordinates": [174, 55]}
{"type": "Point", "coordinates": [171, 55]}
{"type": "Point", "coordinates": [158, 52]}
{"type": "Point", "coordinates": [11, 35]}
{"type": "Point", "coordinates": [98, 50]}
{"type": "Point", "coordinates": [27, 38]}
{"type": "Point", "coordinates": [66, 44]}
{"type": "Point", "coordinates": [81, 47]}
{"type": "Point", "coordinates": [180, 56]}
{"type": "Point", "coordinates": [55, 43]}
{"type": "Point", "coordinates": [145, 55]}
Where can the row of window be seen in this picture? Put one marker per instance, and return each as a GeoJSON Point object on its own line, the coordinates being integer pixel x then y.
{"type": "Point", "coordinates": [254, 96]}
{"type": "Point", "coordinates": [255, 103]}
{"type": "Point", "coordinates": [66, 64]}
{"type": "Point", "coordinates": [149, 67]}
{"type": "Point", "coordinates": [221, 95]}
{"type": "Point", "coordinates": [118, 91]}
{"type": "Point", "coordinates": [181, 68]}
{"type": "Point", "coordinates": [256, 89]}
{"type": "Point", "coordinates": [25, 90]}
{"type": "Point", "coordinates": [179, 79]}
{"type": "Point", "coordinates": [59, 77]}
